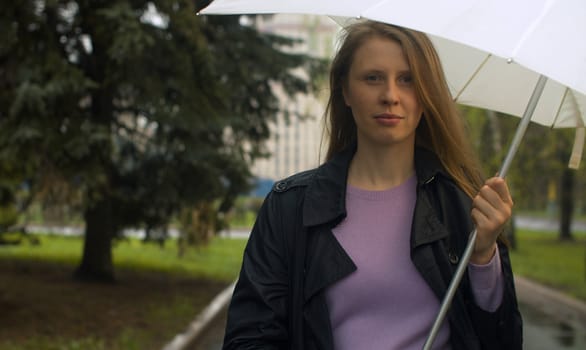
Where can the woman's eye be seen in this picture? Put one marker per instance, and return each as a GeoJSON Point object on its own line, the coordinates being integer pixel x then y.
{"type": "Point", "coordinates": [406, 79]}
{"type": "Point", "coordinates": [373, 78]}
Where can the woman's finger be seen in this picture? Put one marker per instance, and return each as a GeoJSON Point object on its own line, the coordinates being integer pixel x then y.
{"type": "Point", "coordinates": [499, 186]}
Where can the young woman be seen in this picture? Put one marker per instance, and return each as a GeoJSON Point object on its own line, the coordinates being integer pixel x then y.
{"type": "Point", "coordinates": [358, 253]}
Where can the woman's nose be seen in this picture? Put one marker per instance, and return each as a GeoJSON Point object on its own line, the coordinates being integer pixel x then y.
{"type": "Point", "coordinates": [390, 95]}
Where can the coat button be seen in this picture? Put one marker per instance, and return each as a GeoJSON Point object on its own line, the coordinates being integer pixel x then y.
{"type": "Point", "coordinates": [454, 259]}
{"type": "Point", "coordinates": [280, 186]}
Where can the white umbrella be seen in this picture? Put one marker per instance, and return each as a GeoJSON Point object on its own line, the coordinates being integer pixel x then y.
{"type": "Point", "coordinates": [522, 57]}
{"type": "Point", "coordinates": [496, 51]}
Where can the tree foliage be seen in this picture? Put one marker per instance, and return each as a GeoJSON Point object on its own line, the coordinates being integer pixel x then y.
{"type": "Point", "coordinates": [141, 107]}
{"type": "Point", "coordinates": [539, 177]}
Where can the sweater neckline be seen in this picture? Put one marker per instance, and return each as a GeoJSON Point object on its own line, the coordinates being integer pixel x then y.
{"type": "Point", "coordinates": [382, 195]}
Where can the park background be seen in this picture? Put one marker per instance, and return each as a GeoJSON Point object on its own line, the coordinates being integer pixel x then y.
{"type": "Point", "coordinates": [134, 138]}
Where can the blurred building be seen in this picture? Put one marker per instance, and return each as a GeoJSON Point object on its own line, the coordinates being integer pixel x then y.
{"type": "Point", "coordinates": [295, 138]}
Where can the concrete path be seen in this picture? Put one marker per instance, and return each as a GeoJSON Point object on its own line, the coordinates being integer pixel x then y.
{"type": "Point", "coordinates": [532, 223]}
{"type": "Point", "coordinates": [551, 320]}
{"type": "Point", "coordinates": [202, 323]}
{"type": "Point", "coordinates": [523, 222]}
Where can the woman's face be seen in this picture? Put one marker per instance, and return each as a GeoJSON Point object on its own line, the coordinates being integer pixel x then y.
{"type": "Point", "coordinates": [381, 93]}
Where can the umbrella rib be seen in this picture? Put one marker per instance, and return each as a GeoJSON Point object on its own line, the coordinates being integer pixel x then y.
{"type": "Point", "coordinates": [472, 77]}
{"type": "Point", "coordinates": [530, 29]}
{"type": "Point", "coordinates": [579, 112]}
{"type": "Point", "coordinates": [578, 148]}
{"type": "Point", "coordinates": [555, 119]}
{"type": "Point", "coordinates": [367, 10]}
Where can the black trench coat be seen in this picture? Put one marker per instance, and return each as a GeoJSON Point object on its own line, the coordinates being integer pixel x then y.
{"type": "Point", "coordinates": [292, 257]}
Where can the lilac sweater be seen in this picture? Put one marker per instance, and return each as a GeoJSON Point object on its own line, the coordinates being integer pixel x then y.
{"type": "Point", "coordinates": [386, 304]}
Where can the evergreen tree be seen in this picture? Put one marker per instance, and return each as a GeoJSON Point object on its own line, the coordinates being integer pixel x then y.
{"type": "Point", "coordinates": [142, 108]}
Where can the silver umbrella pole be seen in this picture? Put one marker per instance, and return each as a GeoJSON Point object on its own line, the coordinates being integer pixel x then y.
{"type": "Point", "coordinates": [472, 238]}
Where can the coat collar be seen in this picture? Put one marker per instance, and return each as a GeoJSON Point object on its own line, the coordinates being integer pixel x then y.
{"type": "Point", "coordinates": [325, 200]}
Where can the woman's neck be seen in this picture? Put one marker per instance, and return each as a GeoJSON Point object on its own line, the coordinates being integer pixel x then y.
{"type": "Point", "coordinates": [377, 168]}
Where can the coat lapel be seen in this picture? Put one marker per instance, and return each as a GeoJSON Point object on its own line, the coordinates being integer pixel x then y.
{"type": "Point", "coordinates": [426, 228]}
{"type": "Point", "coordinates": [326, 263]}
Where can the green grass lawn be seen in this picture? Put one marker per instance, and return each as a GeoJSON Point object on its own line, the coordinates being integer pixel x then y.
{"type": "Point", "coordinates": [219, 260]}
{"type": "Point", "coordinates": [540, 256]}
{"type": "Point", "coordinates": [157, 294]}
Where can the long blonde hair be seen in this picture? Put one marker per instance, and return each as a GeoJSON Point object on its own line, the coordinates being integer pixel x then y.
{"type": "Point", "coordinates": [441, 130]}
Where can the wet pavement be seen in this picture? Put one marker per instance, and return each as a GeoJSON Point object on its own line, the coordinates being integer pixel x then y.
{"type": "Point", "coordinates": [552, 320]}
{"type": "Point", "coordinates": [548, 224]}
{"type": "Point", "coordinates": [524, 222]}
{"type": "Point", "coordinates": [546, 332]}
{"type": "Point", "coordinates": [212, 338]}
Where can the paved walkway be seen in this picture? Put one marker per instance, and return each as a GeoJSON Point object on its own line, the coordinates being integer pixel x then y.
{"type": "Point", "coordinates": [550, 301]}
{"type": "Point", "coordinates": [533, 223]}
{"type": "Point", "coordinates": [524, 222]}
{"type": "Point", "coordinates": [197, 334]}
{"type": "Point", "coordinates": [551, 320]}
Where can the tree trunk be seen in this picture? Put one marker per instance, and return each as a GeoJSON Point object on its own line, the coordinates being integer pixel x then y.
{"type": "Point", "coordinates": [512, 233]}
{"type": "Point", "coordinates": [96, 264]}
{"type": "Point", "coordinates": [566, 204]}
{"type": "Point", "coordinates": [495, 130]}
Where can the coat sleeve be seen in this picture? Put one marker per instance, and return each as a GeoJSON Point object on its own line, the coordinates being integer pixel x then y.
{"type": "Point", "coordinates": [257, 315]}
{"type": "Point", "coordinates": [503, 328]}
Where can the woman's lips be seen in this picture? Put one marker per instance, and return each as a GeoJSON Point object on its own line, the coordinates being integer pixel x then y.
{"type": "Point", "coordinates": [388, 119]}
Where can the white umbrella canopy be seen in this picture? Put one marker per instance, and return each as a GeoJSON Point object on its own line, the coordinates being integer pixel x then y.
{"type": "Point", "coordinates": [495, 52]}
